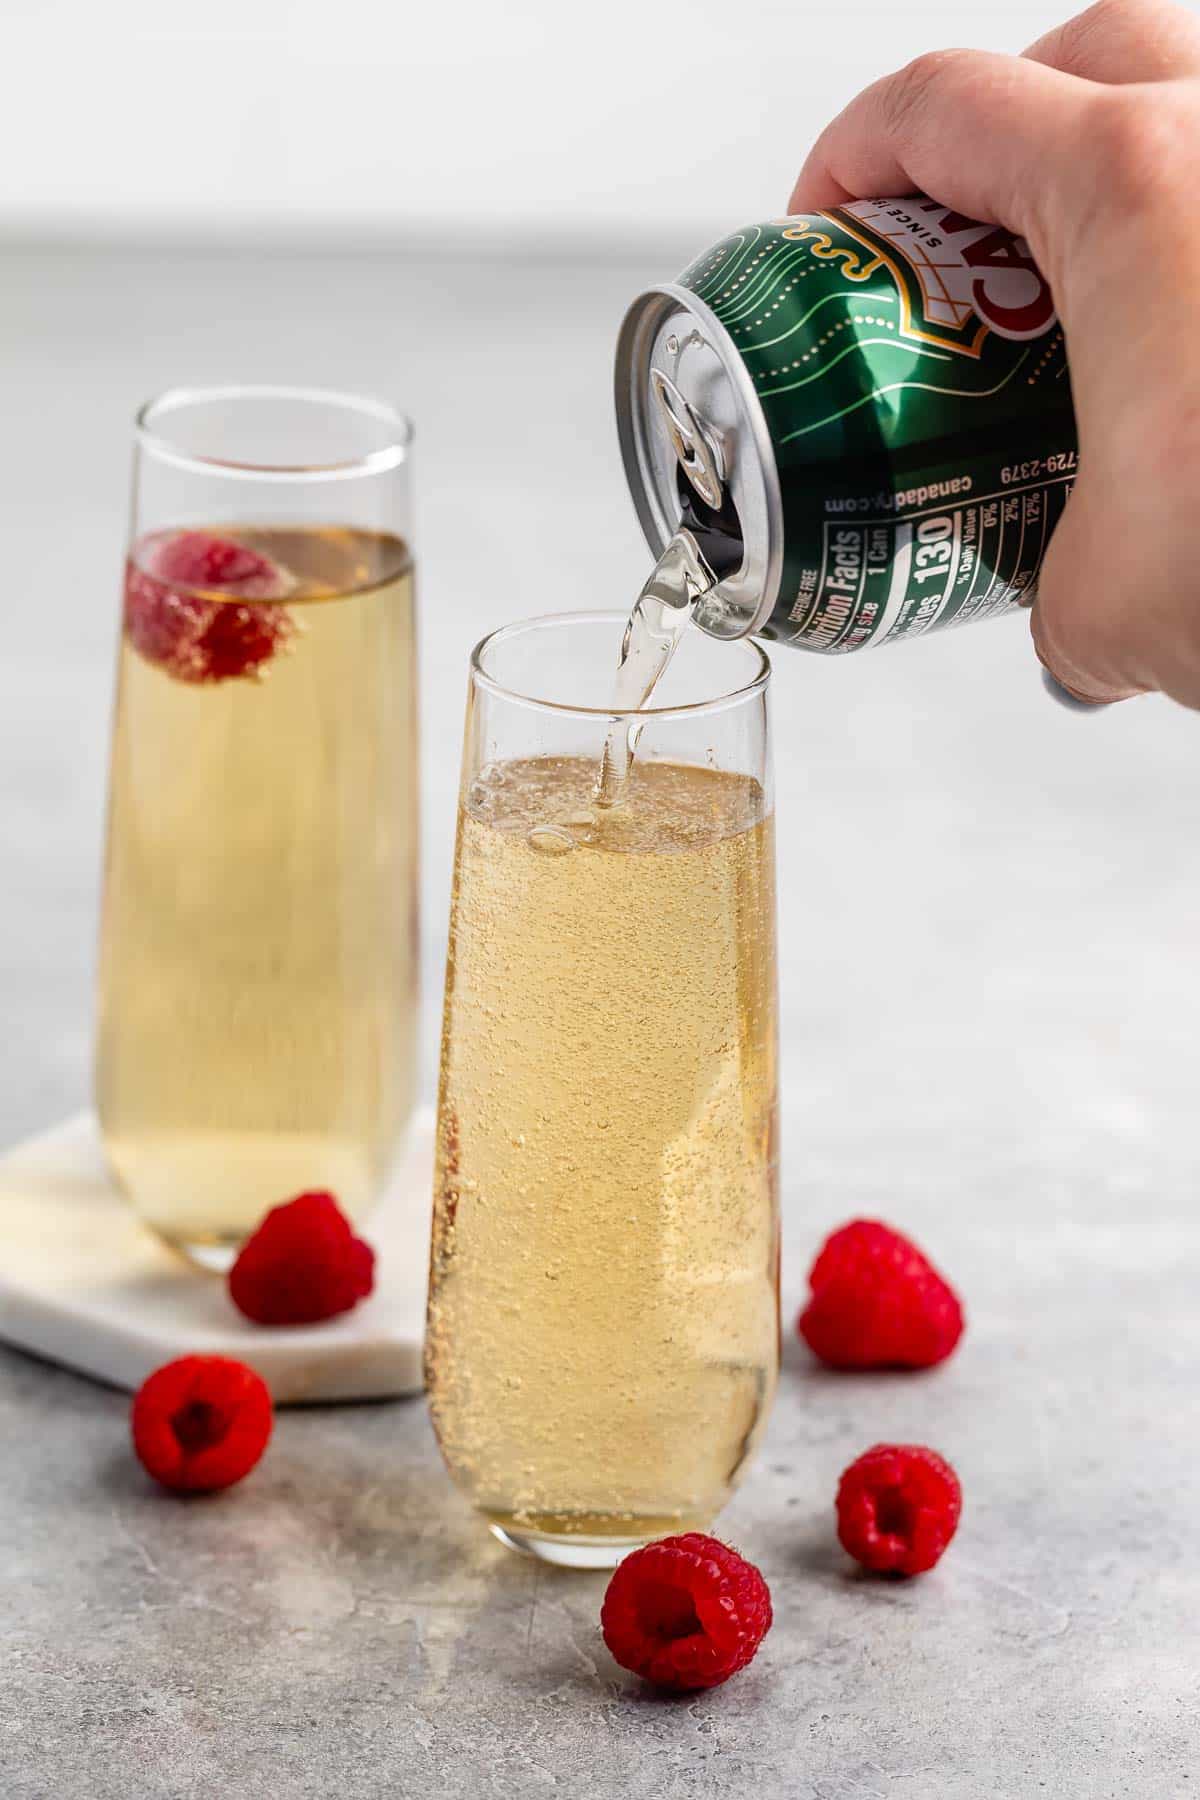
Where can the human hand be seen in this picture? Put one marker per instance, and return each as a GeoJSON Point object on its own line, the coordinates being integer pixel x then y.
{"type": "Point", "coordinates": [1088, 146]}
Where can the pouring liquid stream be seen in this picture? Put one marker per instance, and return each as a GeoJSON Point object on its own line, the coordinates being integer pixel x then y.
{"type": "Point", "coordinates": [661, 614]}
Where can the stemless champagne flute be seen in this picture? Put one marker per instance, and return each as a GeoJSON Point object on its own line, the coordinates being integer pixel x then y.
{"type": "Point", "coordinates": [258, 957]}
{"type": "Point", "coordinates": [603, 1327]}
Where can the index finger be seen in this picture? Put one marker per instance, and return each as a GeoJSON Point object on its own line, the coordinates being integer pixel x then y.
{"type": "Point", "coordinates": [983, 132]}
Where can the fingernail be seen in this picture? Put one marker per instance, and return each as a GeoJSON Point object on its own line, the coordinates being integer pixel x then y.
{"type": "Point", "coordinates": [1064, 696]}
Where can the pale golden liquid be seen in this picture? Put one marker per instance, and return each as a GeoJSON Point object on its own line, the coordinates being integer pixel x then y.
{"type": "Point", "coordinates": [603, 1318]}
{"type": "Point", "coordinates": [258, 953]}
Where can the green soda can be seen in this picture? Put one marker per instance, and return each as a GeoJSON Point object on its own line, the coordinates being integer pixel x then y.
{"type": "Point", "coordinates": [863, 416]}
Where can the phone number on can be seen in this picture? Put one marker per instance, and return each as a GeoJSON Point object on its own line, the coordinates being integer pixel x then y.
{"type": "Point", "coordinates": [1062, 462]}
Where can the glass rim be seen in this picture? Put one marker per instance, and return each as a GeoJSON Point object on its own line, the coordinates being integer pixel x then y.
{"type": "Point", "coordinates": [731, 697]}
{"type": "Point", "coordinates": [148, 432]}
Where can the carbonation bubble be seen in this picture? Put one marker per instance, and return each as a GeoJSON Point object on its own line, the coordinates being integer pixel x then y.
{"type": "Point", "coordinates": [550, 840]}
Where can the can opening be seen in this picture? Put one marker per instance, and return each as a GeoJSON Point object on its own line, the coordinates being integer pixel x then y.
{"type": "Point", "coordinates": [698, 453]}
{"type": "Point", "coordinates": [717, 529]}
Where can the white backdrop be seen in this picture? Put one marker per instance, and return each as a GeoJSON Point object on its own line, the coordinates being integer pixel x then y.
{"type": "Point", "coordinates": [488, 119]}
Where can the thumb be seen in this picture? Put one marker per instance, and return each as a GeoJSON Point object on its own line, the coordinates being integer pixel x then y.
{"type": "Point", "coordinates": [1080, 619]}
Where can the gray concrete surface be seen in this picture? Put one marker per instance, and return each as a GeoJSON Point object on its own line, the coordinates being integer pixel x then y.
{"type": "Point", "coordinates": [990, 989]}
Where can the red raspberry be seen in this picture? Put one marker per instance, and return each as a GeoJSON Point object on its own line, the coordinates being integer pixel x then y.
{"type": "Point", "coordinates": [878, 1303]}
{"type": "Point", "coordinates": [201, 1422]}
{"type": "Point", "coordinates": [192, 635]}
{"type": "Point", "coordinates": [304, 1263]}
{"type": "Point", "coordinates": [196, 559]}
{"type": "Point", "coordinates": [897, 1508]}
{"type": "Point", "coordinates": [686, 1612]}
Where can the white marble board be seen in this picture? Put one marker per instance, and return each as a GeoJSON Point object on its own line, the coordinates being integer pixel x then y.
{"type": "Point", "coordinates": [82, 1282]}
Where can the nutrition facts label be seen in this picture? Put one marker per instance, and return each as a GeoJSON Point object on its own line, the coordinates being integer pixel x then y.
{"type": "Point", "coordinates": [896, 574]}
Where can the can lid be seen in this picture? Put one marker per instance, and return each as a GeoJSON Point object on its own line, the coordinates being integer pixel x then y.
{"type": "Point", "coordinates": [691, 425]}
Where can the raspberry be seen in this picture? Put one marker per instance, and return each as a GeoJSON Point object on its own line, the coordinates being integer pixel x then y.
{"type": "Point", "coordinates": [194, 636]}
{"type": "Point", "coordinates": [198, 560]}
{"type": "Point", "coordinates": [201, 1422]}
{"type": "Point", "coordinates": [897, 1508]}
{"type": "Point", "coordinates": [302, 1264]}
{"type": "Point", "coordinates": [687, 1612]}
{"type": "Point", "coordinates": [878, 1303]}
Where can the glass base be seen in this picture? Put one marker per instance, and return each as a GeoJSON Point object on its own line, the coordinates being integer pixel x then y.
{"type": "Point", "coordinates": [216, 1256]}
{"type": "Point", "coordinates": [574, 1552]}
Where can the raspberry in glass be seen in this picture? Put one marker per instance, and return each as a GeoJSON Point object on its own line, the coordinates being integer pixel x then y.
{"type": "Point", "coordinates": [190, 606]}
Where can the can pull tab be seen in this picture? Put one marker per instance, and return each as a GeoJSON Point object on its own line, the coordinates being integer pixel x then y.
{"type": "Point", "coordinates": [691, 443]}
